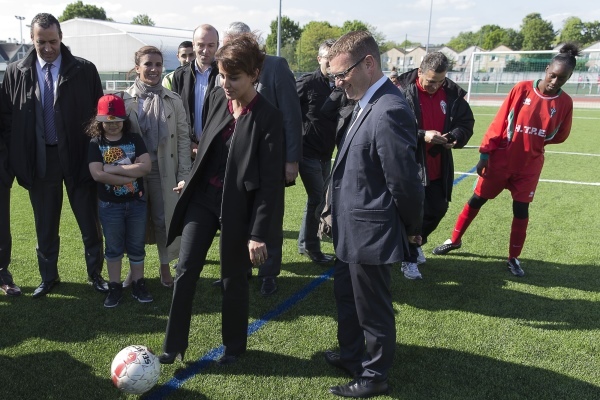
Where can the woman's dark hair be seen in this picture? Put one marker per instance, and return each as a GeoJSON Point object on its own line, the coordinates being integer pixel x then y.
{"type": "Point", "coordinates": [241, 54]}
{"type": "Point", "coordinates": [146, 50]}
{"type": "Point", "coordinates": [567, 55]}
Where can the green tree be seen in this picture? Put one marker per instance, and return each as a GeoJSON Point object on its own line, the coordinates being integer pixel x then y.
{"type": "Point", "coordinates": [290, 33]}
{"type": "Point", "coordinates": [356, 25]}
{"type": "Point", "coordinates": [538, 34]}
{"type": "Point", "coordinates": [142, 19]}
{"type": "Point", "coordinates": [514, 39]}
{"type": "Point", "coordinates": [491, 36]}
{"type": "Point", "coordinates": [313, 34]}
{"type": "Point", "coordinates": [573, 31]}
{"type": "Point", "coordinates": [80, 10]}
{"type": "Point", "coordinates": [463, 41]}
{"type": "Point", "coordinates": [406, 44]}
{"type": "Point", "coordinates": [592, 33]}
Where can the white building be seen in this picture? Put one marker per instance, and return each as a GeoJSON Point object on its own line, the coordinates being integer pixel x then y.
{"type": "Point", "coordinates": [111, 46]}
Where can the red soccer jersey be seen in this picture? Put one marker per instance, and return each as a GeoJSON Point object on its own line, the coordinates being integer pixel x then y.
{"type": "Point", "coordinates": [526, 122]}
{"type": "Point", "coordinates": [434, 108]}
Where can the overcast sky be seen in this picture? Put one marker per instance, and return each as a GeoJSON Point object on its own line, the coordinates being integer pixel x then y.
{"type": "Point", "coordinates": [395, 19]}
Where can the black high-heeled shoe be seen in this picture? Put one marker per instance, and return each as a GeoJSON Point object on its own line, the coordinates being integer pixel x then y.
{"type": "Point", "coordinates": [169, 358]}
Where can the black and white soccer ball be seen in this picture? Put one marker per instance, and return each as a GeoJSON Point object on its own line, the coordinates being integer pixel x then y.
{"type": "Point", "coordinates": [135, 369]}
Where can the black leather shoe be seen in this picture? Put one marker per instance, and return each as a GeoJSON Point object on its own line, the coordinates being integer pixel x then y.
{"type": "Point", "coordinates": [98, 283]}
{"type": "Point", "coordinates": [10, 289]}
{"type": "Point", "coordinates": [361, 388]}
{"type": "Point", "coordinates": [268, 287]}
{"type": "Point", "coordinates": [226, 359]}
{"type": "Point", "coordinates": [318, 257]}
{"type": "Point", "coordinates": [45, 288]}
{"type": "Point", "coordinates": [332, 358]}
{"type": "Point", "coordinates": [169, 358]}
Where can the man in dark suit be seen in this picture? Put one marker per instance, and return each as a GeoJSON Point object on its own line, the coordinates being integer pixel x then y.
{"type": "Point", "coordinates": [194, 82]}
{"type": "Point", "coordinates": [278, 85]}
{"type": "Point", "coordinates": [50, 96]}
{"type": "Point", "coordinates": [375, 191]}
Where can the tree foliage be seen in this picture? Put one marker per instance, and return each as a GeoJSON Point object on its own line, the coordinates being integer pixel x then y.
{"type": "Point", "coordinates": [290, 33]}
{"type": "Point", "coordinates": [572, 31]}
{"type": "Point", "coordinates": [582, 33]}
{"type": "Point", "coordinates": [313, 34]}
{"type": "Point", "coordinates": [142, 19]}
{"type": "Point", "coordinates": [80, 10]}
{"type": "Point", "coordinates": [592, 32]}
{"type": "Point", "coordinates": [463, 41]}
{"type": "Point", "coordinates": [356, 25]}
{"type": "Point", "coordinates": [538, 34]}
{"type": "Point", "coordinates": [488, 37]}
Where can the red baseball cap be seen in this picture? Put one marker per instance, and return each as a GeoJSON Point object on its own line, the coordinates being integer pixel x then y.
{"type": "Point", "coordinates": [111, 108]}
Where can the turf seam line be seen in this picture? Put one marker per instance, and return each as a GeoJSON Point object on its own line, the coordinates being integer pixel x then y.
{"type": "Point", "coordinates": [207, 359]}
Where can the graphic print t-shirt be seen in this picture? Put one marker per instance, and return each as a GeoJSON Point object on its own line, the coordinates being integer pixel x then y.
{"type": "Point", "coordinates": [119, 152]}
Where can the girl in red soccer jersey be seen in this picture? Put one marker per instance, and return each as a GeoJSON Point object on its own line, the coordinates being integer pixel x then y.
{"type": "Point", "coordinates": [534, 114]}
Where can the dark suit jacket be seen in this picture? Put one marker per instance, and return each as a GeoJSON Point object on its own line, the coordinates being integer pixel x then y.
{"type": "Point", "coordinates": [252, 178]}
{"type": "Point", "coordinates": [278, 85]}
{"type": "Point", "coordinates": [79, 88]}
{"type": "Point", "coordinates": [377, 195]}
{"type": "Point", "coordinates": [184, 84]}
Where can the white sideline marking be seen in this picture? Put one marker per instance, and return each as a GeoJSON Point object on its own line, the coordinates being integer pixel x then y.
{"type": "Point", "coordinates": [544, 180]}
{"type": "Point", "coordinates": [574, 117]}
{"type": "Point", "coordinates": [552, 152]}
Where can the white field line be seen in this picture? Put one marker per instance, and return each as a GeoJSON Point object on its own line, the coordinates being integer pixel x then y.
{"type": "Point", "coordinates": [574, 117]}
{"type": "Point", "coordinates": [544, 180]}
{"type": "Point", "coordinates": [552, 152]}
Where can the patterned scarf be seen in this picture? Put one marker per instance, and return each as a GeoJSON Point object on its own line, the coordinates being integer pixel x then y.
{"type": "Point", "coordinates": [152, 119]}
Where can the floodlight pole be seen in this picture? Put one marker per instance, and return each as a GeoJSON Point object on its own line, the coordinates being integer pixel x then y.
{"type": "Point", "coordinates": [21, 25]}
{"type": "Point", "coordinates": [429, 29]}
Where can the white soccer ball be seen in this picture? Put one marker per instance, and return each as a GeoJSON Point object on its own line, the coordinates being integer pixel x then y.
{"type": "Point", "coordinates": [135, 369]}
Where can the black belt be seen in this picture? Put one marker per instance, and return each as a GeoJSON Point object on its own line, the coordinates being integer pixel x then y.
{"type": "Point", "coordinates": [51, 145]}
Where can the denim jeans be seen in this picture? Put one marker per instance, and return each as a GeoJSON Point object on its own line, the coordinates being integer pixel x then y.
{"type": "Point", "coordinates": [124, 227]}
{"type": "Point", "coordinates": [313, 172]}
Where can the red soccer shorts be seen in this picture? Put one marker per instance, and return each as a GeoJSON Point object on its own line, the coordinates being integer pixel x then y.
{"type": "Point", "coordinates": [521, 185]}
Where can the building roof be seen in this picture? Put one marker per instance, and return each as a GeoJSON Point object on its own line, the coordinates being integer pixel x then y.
{"type": "Point", "coordinates": [111, 45]}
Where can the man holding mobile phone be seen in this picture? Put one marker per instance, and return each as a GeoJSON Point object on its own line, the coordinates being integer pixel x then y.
{"type": "Point", "coordinates": [445, 121]}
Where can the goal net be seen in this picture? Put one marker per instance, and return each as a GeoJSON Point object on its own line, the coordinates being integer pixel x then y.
{"type": "Point", "coordinates": [489, 75]}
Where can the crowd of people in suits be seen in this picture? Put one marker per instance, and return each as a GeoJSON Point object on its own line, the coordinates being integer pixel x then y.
{"type": "Point", "coordinates": [212, 146]}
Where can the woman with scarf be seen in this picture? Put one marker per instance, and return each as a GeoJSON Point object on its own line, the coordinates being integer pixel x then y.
{"type": "Point", "coordinates": [158, 115]}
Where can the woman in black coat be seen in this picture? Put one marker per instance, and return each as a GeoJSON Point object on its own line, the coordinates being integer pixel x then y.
{"type": "Point", "coordinates": [237, 172]}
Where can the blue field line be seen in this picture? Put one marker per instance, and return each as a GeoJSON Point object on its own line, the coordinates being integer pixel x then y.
{"type": "Point", "coordinates": [178, 380]}
{"type": "Point", "coordinates": [193, 369]}
{"type": "Point", "coordinates": [463, 176]}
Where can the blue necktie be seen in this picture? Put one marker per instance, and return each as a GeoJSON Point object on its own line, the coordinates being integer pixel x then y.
{"type": "Point", "coordinates": [49, 126]}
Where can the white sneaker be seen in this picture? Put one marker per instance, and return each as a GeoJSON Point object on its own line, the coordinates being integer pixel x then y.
{"type": "Point", "coordinates": [421, 257]}
{"type": "Point", "coordinates": [411, 271]}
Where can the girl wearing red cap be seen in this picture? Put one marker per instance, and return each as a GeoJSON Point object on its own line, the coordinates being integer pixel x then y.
{"type": "Point", "coordinates": [118, 160]}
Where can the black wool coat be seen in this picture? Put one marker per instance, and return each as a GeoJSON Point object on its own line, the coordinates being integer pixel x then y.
{"type": "Point", "coordinates": [253, 176]}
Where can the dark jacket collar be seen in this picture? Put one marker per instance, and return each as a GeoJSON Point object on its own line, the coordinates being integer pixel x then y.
{"type": "Point", "coordinates": [68, 60]}
{"type": "Point", "coordinates": [409, 78]}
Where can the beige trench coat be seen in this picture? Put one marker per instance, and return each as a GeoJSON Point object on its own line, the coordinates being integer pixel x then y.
{"type": "Point", "coordinates": [174, 156]}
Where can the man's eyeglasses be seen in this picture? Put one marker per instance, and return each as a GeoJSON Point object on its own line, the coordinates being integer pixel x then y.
{"type": "Point", "coordinates": [342, 75]}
